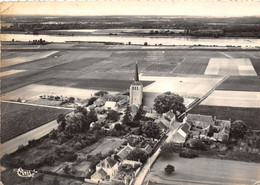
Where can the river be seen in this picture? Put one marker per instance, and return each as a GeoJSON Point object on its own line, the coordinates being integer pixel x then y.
{"type": "Point", "coordinates": [243, 42]}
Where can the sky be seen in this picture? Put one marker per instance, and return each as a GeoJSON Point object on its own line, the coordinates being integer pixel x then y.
{"type": "Point", "coordinates": [224, 8]}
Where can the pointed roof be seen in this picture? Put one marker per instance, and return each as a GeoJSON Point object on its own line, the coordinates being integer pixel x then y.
{"type": "Point", "coordinates": [136, 79]}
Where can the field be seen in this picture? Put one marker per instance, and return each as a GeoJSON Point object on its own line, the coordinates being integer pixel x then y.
{"type": "Point", "coordinates": [241, 83]}
{"type": "Point", "coordinates": [185, 86]}
{"type": "Point", "coordinates": [203, 171]}
{"type": "Point", "coordinates": [6, 73]}
{"type": "Point", "coordinates": [192, 66]}
{"type": "Point", "coordinates": [228, 66]}
{"type": "Point", "coordinates": [17, 119]}
{"type": "Point", "coordinates": [233, 99]}
{"type": "Point", "coordinates": [250, 116]}
{"type": "Point", "coordinates": [22, 57]}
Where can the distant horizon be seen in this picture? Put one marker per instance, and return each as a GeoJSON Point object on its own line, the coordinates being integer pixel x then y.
{"type": "Point", "coordinates": [177, 16]}
{"type": "Point", "coordinates": [220, 9]}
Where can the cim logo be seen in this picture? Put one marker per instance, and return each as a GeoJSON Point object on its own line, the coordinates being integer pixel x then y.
{"type": "Point", "coordinates": [26, 173]}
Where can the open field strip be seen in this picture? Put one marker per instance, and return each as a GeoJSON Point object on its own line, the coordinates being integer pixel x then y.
{"type": "Point", "coordinates": [13, 144]}
{"type": "Point", "coordinates": [227, 55]}
{"type": "Point", "coordinates": [33, 91]}
{"type": "Point", "coordinates": [227, 66]}
{"type": "Point", "coordinates": [10, 72]}
{"type": "Point", "coordinates": [233, 99]}
{"type": "Point", "coordinates": [37, 105]}
{"type": "Point", "coordinates": [17, 119]}
{"type": "Point", "coordinates": [184, 86]}
{"type": "Point", "coordinates": [20, 59]}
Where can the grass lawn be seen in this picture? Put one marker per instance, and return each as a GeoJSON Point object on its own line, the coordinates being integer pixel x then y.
{"type": "Point", "coordinates": [18, 119]}
{"type": "Point", "coordinates": [241, 83]}
{"type": "Point", "coordinates": [250, 116]}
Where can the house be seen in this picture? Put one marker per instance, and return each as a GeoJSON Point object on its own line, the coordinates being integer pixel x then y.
{"type": "Point", "coordinates": [163, 124]}
{"type": "Point", "coordinates": [110, 105]}
{"type": "Point", "coordinates": [148, 149]}
{"type": "Point", "coordinates": [99, 175]}
{"type": "Point", "coordinates": [109, 165]}
{"type": "Point", "coordinates": [200, 121]}
{"type": "Point", "coordinates": [123, 153]}
{"type": "Point", "coordinates": [181, 135]}
{"type": "Point", "coordinates": [222, 135]}
{"type": "Point", "coordinates": [170, 117]}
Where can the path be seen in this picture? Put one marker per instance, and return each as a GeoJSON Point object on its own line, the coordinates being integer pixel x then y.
{"type": "Point", "coordinates": [140, 178]}
{"type": "Point", "coordinates": [228, 56]}
{"type": "Point", "coordinates": [13, 144]}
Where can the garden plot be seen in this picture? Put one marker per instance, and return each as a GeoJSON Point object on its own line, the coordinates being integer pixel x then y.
{"type": "Point", "coordinates": [10, 72]}
{"type": "Point", "coordinates": [184, 86]}
{"type": "Point", "coordinates": [33, 91]}
{"type": "Point", "coordinates": [233, 99]}
{"type": "Point", "coordinates": [23, 57]}
{"type": "Point", "coordinates": [108, 145]}
{"type": "Point", "coordinates": [230, 66]}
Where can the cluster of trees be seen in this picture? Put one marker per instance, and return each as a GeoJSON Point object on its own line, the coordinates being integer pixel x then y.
{"type": "Point", "coordinates": [169, 101]}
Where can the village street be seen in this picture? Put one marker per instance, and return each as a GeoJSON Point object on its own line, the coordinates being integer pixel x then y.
{"type": "Point", "coordinates": [140, 178]}
{"type": "Point", "coordinates": [204, 171]}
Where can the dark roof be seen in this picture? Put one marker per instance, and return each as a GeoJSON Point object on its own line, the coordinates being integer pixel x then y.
{"type": "Point", "coordinates": [110, 161]}
{"type": "Point", "coordinates": [169, 115]}
{"type": "Point", "coordinates": [186, 128]}
{"type": "Point", "coordinates": [102, 172]}
{"type": "Point", "coordinates": [125, 152]}
{"type": "Point", "coordinates": [137, 83]}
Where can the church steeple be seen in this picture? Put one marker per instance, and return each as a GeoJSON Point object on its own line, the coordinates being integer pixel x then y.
{"type": "Point", "coordinates": [136, 79]}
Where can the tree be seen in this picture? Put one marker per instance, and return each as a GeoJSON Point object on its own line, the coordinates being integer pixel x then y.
{"type": "Point", "coordinates": [127, 118]}
{"type": "Point", "coordinates": [169, 169]}
{"type": "Point", "coordinates": [113, 115]}
{"type": "Point", "coordinates": [61, 121]}
{"type": "Point", "coordinates": [66, 169]}
{"type": "Point", "coordinates": [151, 130]}
{"type": "Point", "coordinates": [91, 100]}
{"type": "Point", "coordinates": [88, 119]}
{"type": "Point", "coordinates": [138, 155]}
{"type": "Point", "coordinates": [55, 181]}
{"type": "Point", "coordinates": [167, 150]}
{"type": "Point", "coordinates": [238, 129]}
{"type": "Point", "coordinates": [140, 114]}
{"type": "Point", "coordinates": [101, 93]}
{"type": "Point", "coordinates": [119, 127]}
{"type": "Point", "coordinates": [169, 101]}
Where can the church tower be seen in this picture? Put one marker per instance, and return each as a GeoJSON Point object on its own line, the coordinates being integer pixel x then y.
{"type": "Point", "coordinates": [136, 90]}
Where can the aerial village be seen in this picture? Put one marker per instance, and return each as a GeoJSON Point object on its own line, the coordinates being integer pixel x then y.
{"type": "Point", "coordinates": [108, 139]}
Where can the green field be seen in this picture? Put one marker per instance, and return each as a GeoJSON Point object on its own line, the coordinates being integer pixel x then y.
{"type": "Point", "coordinates": [17, 119]}
{"type": "Point", "coordinates": [250, 116]}
{"type": "Point", "coordinates": [241, 83]}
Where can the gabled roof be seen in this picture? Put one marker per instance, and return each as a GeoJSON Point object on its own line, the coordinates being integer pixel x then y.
{"type": "Point", "coordinates": [186, 128]}
{"type": "Point", "coordinates": [161, 125]}
{"type": "Point", "coordinates": [169, 115]}
{"type": "Point", "coordinates": [125, 151]}
{"type": "Point", "coordinates": [102, 172]}
{"type": "Point", "coordinates": [111, 162]}
{"type": "Point", "coordinates": [111, 104]}
{"type": "Point", "coordinates": [148, 149]}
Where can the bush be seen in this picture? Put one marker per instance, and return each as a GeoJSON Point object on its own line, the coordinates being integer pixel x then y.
{"type": "Point", "coordinates": [66, 169]}
{"type": "Point", "coordinates": [113, 115]}
{"type": "Point", "coordinates": [186, 153]}
{"type": "Point", "coordinates": [169, 169]}
{"type": "Point", "coordinates": [101, 93]}
{"type": "Point", "coordinates": [167, 150]}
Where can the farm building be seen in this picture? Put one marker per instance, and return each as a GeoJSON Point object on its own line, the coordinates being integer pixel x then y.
{"type": "Point", "coordinates": [110, 105]}
{"type": "Point", "coordinates": [122, 154]}
{"type": "Point", "coordinates": [200, 121]}
{"type": "Point", "coordinates": [181, 135]}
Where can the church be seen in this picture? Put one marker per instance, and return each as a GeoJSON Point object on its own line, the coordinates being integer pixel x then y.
{"type": "Point", "coordinates": [136, 90]}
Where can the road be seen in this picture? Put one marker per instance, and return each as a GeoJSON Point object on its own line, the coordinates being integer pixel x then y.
{"type": "Point", "coordinates": [140, 178]}
{"type": "Point", "coordinates": [204, 171]}
{"type": "Point", "coordinates": [13, 144]}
